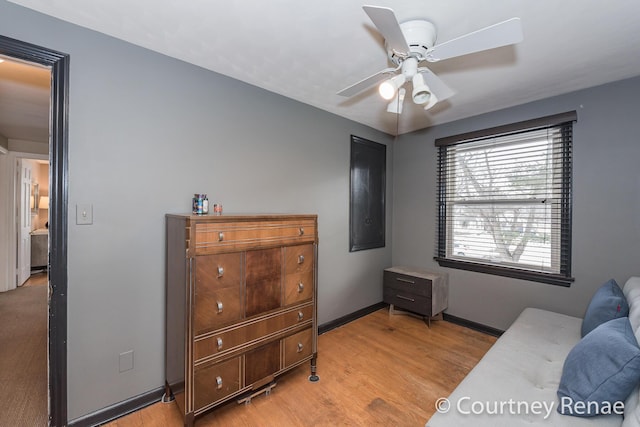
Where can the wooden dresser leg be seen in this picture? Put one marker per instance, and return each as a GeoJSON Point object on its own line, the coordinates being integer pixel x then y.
{"type": "Point", "coordinates": [313, 377]}
{"type": "Point", "coordinates": [167, 396]}
{"type": "Point", "coordinates": [189, 420]}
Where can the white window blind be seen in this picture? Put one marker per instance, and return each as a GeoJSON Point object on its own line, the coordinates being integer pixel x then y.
{"type": "Point", "coordinates": [504, 200]}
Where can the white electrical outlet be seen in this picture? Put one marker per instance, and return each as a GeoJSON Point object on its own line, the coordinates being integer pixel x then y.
{"type": "Point", "coordinates": [125, 361]}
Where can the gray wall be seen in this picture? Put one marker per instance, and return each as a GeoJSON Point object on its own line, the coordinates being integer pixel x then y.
{"type": "Point", "coordinates": [606, 209]}
{"type": "Point", "coordinates": [148, 131]}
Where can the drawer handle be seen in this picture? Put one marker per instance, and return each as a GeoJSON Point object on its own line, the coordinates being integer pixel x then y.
{"type": "Point", "coordinates": [301, 231]}
{"type": "Point", "coordinates": [406, 298]}
{"type": "Point", "coordinates": [400, 279]}
{"type": "Point", "coordinates": [220, 272]}
{"type": "Point", "coordinates": [300, 315]}
{"type": "Point", "coordinates": [218, 383]}
{"type": "Point", "coordinates": [300, 287]}
{"type": "Point", "coordinates": [220, 236]}
{"type": "Point", "coordinates": [220, 307]}
{"type": "Point", "coordinates": [219, 341]}
{"type": "Point", "coordinates": [300, 347]}
{"type": "Point", "coordinates": [300, 259]}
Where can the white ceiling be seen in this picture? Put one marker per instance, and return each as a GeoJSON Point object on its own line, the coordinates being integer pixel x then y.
{"type": "Point", "coordinates": [308, 51]}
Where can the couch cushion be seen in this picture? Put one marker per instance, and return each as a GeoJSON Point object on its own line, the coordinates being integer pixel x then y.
{"type": "Point", "coordinates": [601, 370]}
{"type": "Point", "coordinates": [524, 366]}
{"type": "Point", "coordinates": [607, 303]}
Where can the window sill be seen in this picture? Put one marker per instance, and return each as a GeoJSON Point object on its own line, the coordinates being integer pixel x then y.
{"type": "Point", "coordinates": [534, 276]}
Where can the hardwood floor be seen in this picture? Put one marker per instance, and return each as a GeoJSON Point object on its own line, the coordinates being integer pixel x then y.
{"type": "Point", "coordinates": [378, 370]}
{"type": "Point", "coordinates": [37, 279]}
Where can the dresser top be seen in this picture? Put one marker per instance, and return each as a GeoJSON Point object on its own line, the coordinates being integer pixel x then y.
{"type": "Point", "coordinates": [415, 272]}
{"type": "Point", "coordinates": [242, 217]}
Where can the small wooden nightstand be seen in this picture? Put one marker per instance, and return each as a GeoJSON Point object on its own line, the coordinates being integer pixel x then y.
{"type": "Point", "coordinates": [419, 292]}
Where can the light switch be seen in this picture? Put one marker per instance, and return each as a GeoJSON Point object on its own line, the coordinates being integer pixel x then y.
{"type": "Point", "coordinates": [84, 214]}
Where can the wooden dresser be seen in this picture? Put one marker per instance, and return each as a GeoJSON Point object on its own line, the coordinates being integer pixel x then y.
{"type": "Point", "coordinates": [241, 305]}
{"type": "Point", "coordinates": [421, 292]}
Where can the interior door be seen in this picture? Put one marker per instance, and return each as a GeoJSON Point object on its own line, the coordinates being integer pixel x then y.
{"type": "Point", "coordinates": [24, 222]}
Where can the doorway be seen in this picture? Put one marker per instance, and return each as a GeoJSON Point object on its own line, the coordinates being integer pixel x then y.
{"type": "Point", "coordinates": [58, 213]}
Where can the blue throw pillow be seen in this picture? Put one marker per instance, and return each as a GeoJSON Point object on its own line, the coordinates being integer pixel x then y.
{"type": "Point", "coordinates": [600, 371]}
{"type": "Point", "coordinates": [607, 303]}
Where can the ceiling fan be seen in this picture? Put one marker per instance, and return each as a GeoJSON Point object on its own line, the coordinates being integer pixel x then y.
{"type": "Point", "coordinates": [412, 42]}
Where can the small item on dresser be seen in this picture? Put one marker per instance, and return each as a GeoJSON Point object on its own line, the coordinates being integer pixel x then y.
{"type": "Point", "coordinates": [205, 205]}
{"type": "Point", "coordinates": [217, 209]}
{"type": "Point", "coordinates": [198, 201]}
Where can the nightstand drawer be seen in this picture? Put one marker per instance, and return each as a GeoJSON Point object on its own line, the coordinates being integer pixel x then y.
{"type": "Point", "coordinates": [415, 303]}
{"type": "Point", "coordinates": [407, 284]}
{"type": "Point", "coordinates": [419, 291]}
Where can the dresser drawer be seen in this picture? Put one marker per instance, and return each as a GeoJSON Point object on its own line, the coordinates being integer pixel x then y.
{"type": "Point", "coordinates": [216, 308]}
{"type": "Point", "coordinates": [298, 259]}
{"type": "Point", "coordinates": [408, 301]}
{"type": "Point", "coordinates": [298, 316]}
{"type": "Point", "coordinates": [229, 339]}
{"type": "Point", "coordinates": [298, 287]}
{"type": "Point", "coordinates": [215, 381]}
{"type": "Point", "coordinates": [218, 295]}
{"type": "Point", "coordinates": [214, 237]}
{"type": "Point", "coordinates": [220, 343]}
{"type": "Point", "coordinates": [297, 347]}
{"type": "Point", "coordinates": [407, 284]}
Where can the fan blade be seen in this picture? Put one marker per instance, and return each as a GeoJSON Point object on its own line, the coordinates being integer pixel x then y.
{"type": "Point", "coordinates": [497, 35]}
{"type": "Point", "coordinates": [437, 86]}
{"type": "Point", "coordinates": [366, 82]}
{"type": "Point", "coordinates": [385, 20]}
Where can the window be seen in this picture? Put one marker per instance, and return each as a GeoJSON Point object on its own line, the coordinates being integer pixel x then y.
{"type": "Point", "coordinates": [504, 200]}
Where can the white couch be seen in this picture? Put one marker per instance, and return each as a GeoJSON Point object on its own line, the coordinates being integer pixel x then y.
{"type": "Point", "coordinates": [519, 376]}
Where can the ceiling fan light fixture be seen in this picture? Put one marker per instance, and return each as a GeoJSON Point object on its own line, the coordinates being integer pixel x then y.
{"type": "Point", "coordinates": [389, 88]}
{"type": "Point", "coordinates": [421, 96]}
{"type": "Point", "coordinates": [395, 106]}
{"type": "Point", "coordinates": [421, 93]}
{"type": "Point", "coordinates": [433, 100]}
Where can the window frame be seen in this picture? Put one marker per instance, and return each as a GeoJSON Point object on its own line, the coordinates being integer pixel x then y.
{"type": "Point", "coordinates": [563, 278]}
